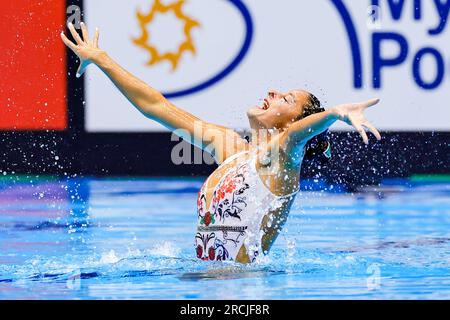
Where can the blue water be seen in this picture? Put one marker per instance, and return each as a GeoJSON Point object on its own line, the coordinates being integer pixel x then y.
{"type": "Point", "coordinates": [133, 239]}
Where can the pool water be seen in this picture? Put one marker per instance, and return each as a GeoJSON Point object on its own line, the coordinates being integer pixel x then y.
{"type": "Point", "coordinates": [134, 239]}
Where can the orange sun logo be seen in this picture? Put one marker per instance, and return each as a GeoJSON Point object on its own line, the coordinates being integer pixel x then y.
{"type": "Point", "coordinates": [144, 41]}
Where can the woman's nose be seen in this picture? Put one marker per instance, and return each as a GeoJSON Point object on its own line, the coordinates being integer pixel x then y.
{"type": "Point", "coordinates": [273, 93]}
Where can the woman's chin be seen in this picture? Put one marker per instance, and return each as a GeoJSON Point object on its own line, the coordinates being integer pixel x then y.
{"type": "Point", "coordinates": [254, 112]}
{"type": "Point", "coordinates": [256, 118]}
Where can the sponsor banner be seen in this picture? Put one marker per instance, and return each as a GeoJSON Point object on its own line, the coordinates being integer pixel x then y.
{"type": "Point", "coordinates": [33, 65]}
{"type": "Point", "coordinates": [216, 58]}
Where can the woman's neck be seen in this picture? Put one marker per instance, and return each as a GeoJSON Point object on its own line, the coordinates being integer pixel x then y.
{"type": "Point", "coordinates": [262, 137]}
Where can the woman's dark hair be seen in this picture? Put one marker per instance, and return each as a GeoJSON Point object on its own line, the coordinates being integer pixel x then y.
{"type": "Point", "coordinates": [319, 147]}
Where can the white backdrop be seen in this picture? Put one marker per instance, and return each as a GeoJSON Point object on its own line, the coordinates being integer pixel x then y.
{"type": "Point", "coordinates": [296, 44]}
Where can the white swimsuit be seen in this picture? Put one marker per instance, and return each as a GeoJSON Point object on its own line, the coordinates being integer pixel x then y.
{"type": "Point", "coordinates": [239, 202]}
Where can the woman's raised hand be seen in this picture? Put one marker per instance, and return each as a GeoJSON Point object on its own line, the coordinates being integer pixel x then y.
{"type": "Point", "coordinates": [353, 114]}
{"type": "Point", "coordinates": [86, 49]}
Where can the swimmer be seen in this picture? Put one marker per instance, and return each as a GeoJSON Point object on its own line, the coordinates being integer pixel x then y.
{"type": "Point", "coordinates": [244, 203]}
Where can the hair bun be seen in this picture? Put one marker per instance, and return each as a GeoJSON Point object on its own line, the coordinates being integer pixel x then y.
{"type": "Point", "coordinates": [319, 148]}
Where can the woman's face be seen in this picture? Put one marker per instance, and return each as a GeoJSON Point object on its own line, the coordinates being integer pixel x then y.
{"type": "Point", "coordinates": [278, 110]}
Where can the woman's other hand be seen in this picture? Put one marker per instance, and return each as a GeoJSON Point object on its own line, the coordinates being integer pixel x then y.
{"type": "Point", "coordinates": [353, 114]}
{"type": "Point", "coordinates": [86, 49]}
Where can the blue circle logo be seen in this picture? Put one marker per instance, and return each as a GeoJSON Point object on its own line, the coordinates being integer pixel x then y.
{"type": "Point", "coordinates": [236, 61]}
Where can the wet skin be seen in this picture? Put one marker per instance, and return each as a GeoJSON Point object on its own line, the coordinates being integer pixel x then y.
{"type": "Point", "coordinates": [277, 128]}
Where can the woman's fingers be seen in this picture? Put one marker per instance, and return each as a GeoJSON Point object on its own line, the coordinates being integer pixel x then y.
{"type": "Point", "coordinates": [75, 34]}
{"type": "Point", "coordinates": [68, 43]}
{"type": "Point", "coordinates": [363, 135]}
{"type": "Point", "coordinates": [370, 103]}
{"type": "Point", "coordinates": [360, 130]}
{"type": "Point", "coordinates": [82, 46]}
{"type": "Point", "coordinates": [84, 31]}
{"type": "Point", "coordinates": [96, 36]}
{"type": "Point", "coordinates": [372, 129]}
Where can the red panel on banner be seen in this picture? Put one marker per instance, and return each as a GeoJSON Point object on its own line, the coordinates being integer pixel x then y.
{"type": "Point", "coordinates": [33, 65]}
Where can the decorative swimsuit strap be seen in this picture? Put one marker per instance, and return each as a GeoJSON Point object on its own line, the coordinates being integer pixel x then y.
{"type": "Point", "coordinates": [233, 157]}
{"type": "Point", "coordinates": [289, 195]}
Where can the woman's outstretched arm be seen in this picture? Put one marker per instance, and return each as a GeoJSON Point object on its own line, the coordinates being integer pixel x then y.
{"type": "Point", "coordinates": [146, 99]}
{"type": "Point", "coordinates": [353, 114]}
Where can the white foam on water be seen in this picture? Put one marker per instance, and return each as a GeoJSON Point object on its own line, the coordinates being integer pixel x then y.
{"type": "Point", "coordinates": [109, 257]}
{"type": "Point", "coordinates": [165, 249]}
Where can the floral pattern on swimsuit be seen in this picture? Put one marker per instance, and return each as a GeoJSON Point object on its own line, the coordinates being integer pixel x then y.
{"type": "Point", "coordinates": [220, 229]}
